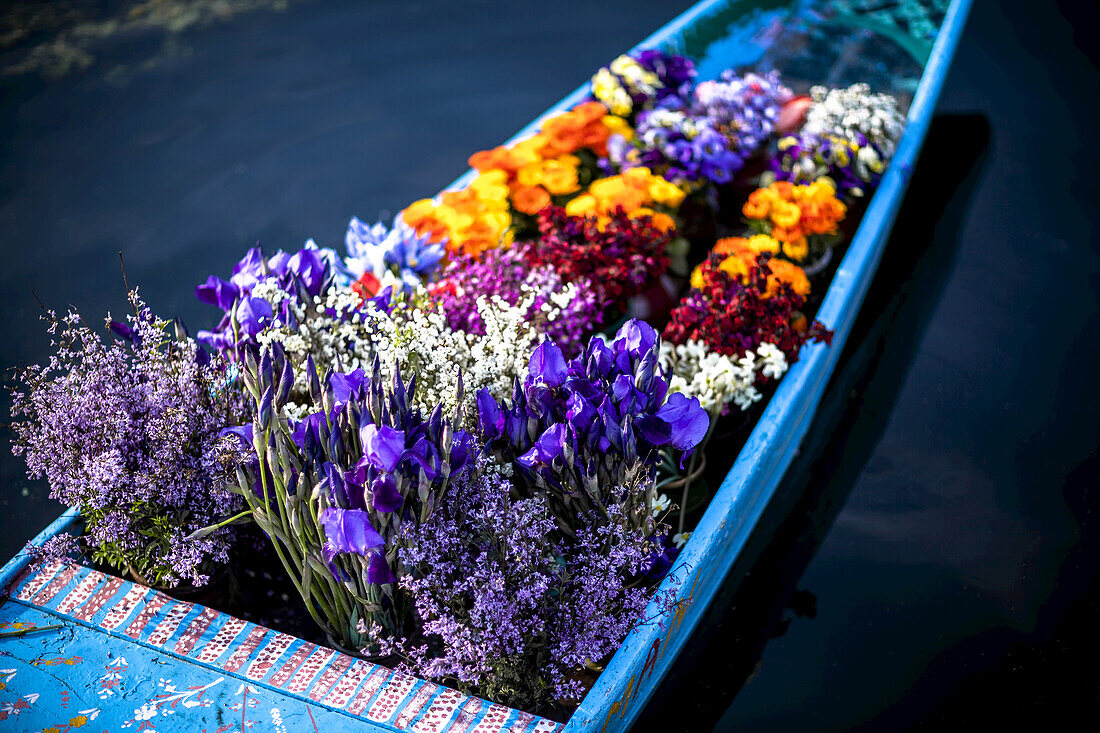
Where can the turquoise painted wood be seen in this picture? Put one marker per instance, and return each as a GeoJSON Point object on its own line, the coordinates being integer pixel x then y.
{"type": "Point", "coordinates": [134, 659]}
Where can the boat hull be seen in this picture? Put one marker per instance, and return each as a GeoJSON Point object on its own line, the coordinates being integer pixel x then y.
{"type": "Point", "coordinates": [221, 669]}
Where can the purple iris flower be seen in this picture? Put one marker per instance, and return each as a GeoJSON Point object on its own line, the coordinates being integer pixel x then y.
{"type": "Point", "coordinates": [254, 315]}
{"type": "Point", "coordinates": [378, 572]}
{"type": "Point", "coordinates": [350, 530]}
{"type": "Point", "coordinates": [638, 337]}
{"type": "Point", "coordinates": [548, 364]}
{"type": "Point", "coordinates": [549, 447]}
{"type": "Point", "coordinates": [310, 268]}
{"type": "Point", "coordinates": [249, 271]}
{"type": "Point", "coordinates": [687, 419]}
{"type": "Point", "coordinates": [382, 446]}
{"type": "Point", "coordinates": [216, 291]}
{"type": "Point", "coordinates": [384, 494]}
{"type": "Point", "coordinates": [345, 386]}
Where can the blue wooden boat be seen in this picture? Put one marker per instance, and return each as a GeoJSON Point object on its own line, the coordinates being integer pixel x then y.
{"type": "Point", "coordinates": [79, 648]}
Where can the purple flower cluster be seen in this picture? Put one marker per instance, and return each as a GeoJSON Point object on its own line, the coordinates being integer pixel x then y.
{"type": "Point", "coordinates": [304, 276]}
{"type": "Point", "coordinates": [507, 273]}
{"type": "Point", "coordinates": [127, 430]}
{"type": "Point", "coordinates": [675, 73]}
{"type": "Point", "coordinates": [743, 108]}
{"type": "Point", "coordinates": [853, 163]}
{"type": "Point", "coordinates": [577, 429]}
{"type": "Point", "coordinates": [511, 608]}
{"type": "Point", "coordinates": [683, 148]}
{"type": "Point", "coordinates": [704, 137]}
{"type": "Point", "coordinates": [366, 460]}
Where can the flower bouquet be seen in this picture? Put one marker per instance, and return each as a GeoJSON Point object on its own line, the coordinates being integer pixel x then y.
{"type": "Point", "coordinates": [472, 441]}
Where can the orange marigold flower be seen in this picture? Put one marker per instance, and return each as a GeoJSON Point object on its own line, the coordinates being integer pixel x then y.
{"type": "Point", "coordinates": [758, 205]}
{"type": "Point", "coordinates": [790, 274]}
{"type": "Point", "coordinates": [530, 199]}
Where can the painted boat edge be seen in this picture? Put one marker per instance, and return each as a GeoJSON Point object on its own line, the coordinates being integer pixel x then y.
{"type": "Point", "coordinates": [16, 564]}
{"type": "Point", "coordinates": [637, 668]}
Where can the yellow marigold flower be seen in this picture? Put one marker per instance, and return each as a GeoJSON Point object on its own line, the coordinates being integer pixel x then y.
{"type": "Point", "coordinates": [559, 177]}
{"type": "Point", "coordinates": [607, 187]}
{"type": "Point", "coordinates": [637, 177]}
{"type": "Point", "coordinates": [735, 267]}
{"type": "Point", "coordinates": [618, 126]}
{"type": "Point", "coordinates": [530, 174]}
{"type": "Point", "coordinates": [665, 193]}
{"type": "Point", "coordinates": [785, 272]}
{"type": "Point", "coordinates": [763, 243]}
{"type": "Point", "coordinates": [797, 250]}
{"type": "Point", "coordinates": [624, 65]}
{"type": "Point", "coordinates": [758, 204]}
{"type": "Point", "coordinates": [664, 222]}
{"type": "Point", "coordinates": [785, 214]}
{"type": "Point", "coordinates": [698, 280]}
{"type": "Point", "coordinates": [583, 205]}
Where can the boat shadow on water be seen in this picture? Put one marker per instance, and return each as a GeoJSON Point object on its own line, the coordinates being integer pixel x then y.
{"type": "Point", "coordinates": [760, 596]}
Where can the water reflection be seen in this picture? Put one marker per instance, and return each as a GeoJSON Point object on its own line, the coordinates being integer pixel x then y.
{"type": "Point", "coordinates": [761, 597]}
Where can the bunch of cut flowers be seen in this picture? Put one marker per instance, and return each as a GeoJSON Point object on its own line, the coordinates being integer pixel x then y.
{"type": "Point", "coordinates": [466, 456]}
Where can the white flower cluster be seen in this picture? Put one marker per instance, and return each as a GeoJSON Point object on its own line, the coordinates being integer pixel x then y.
{"type": "Point", "coordinates": [416, 339]}
{"type": "Point", "coordinates": [846, 112]}
{"type": "Point", "coordinates": [335, 343]}
{"type": "Point", "coordinates": [717, 379]}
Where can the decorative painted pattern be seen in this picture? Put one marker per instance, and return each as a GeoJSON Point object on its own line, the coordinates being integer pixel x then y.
{"type": "Point", "coordinates": [230, 629]}
{"type": "Point", "coordinates": [301, 679]}
{"type": "Point", "coordinates": [147, 614]}
{"type": "Point", "coordinates": [342, 691]}
{"type": "Point", "coordinates": [244, 650]}
{"type": "Point", "coordinates": [466, 716]}
{"type": "Point", "coordinates": [420, 698]}
{"type": "Point", "coordinates": [38, 579]}
{"type": "Point", "coordinates": [301, 673]}
{"type": "Point", "coordinates": [439, 712]}
{"type": "Point", "coordinates": [120, 611]}
{"type": "Point", "coordinates": [494, 719]}
{"type": "Point", "coordinates": [79, 594]}
{"type": "Point", "coordinates": [267, 657]}
{"type": "Point", "coordinates": [172, 620]}
{"type": "Point", "coordinates": [372, 684]}
{"type": "Point", "coordinates": [391, 697]}
{"type": "Point", "coordinates": [285, 672]}
{"type": "Point", "coordinates": [195, 630]}
{"type": "Point", "coordinates": [334, 672]}
{"type": "Point", "coordinates": [54, 587]}
{"type": "Point", "coordinates": [105, 593]}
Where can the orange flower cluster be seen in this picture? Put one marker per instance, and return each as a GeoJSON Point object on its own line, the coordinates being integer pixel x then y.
{"type": "Point", "coordinates": [544, 165]}
{"type": "Point", "coordinates": [635, 190]}
{"type": "Point", "coordinates": [739, 257]}
{"type": "Point", "coordinates": [472, 219]}
{"type": "Point", "coordinates": [792, 213]}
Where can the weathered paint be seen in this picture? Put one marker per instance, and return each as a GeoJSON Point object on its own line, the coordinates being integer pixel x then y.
{"type": "Point", "coordinates": [135, 659]}
{"type": "Point", "coordinates": [114, 629]}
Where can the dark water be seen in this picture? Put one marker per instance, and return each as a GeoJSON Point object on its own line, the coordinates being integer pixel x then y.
{"type": "Point", "coordinates": [942, 565]}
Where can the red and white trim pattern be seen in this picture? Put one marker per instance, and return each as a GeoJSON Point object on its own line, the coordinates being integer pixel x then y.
{"type": "Point", "coordinates": [314, 675]}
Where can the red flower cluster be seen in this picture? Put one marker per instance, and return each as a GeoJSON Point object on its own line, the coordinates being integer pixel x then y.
{"type": "Point", "coordinates": [622, 256]}
{"type": "Point", "coordinates": [733, 318]}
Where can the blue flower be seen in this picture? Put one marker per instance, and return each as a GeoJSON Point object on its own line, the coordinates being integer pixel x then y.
{"type": "Point", "coordinates": [350, 531]}
{"type": "Point", "coordinates": [382, 446]}
{"type": "Point", "coordinates": [254, 315]}
{"type": "Point", "coordinates": [216, 291]}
